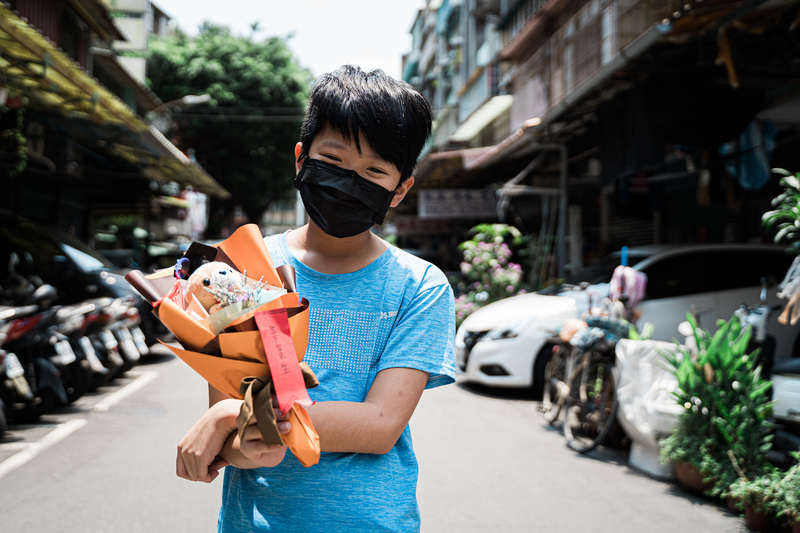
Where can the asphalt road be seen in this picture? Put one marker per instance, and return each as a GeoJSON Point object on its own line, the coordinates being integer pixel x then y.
{"type": "Point", "coordinates": [488, 463]}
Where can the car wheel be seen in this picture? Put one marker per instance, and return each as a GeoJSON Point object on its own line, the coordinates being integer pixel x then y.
{"type": "Point", "coordinates": [539, 366]}
{"type": "Point", "coordinates": [3, 419]}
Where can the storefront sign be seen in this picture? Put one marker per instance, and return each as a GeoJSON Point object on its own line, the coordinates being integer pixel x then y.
{"type": "Point", "coordinates": [409, 225]}
{"type": "Point", "coordinates": [457, 203]}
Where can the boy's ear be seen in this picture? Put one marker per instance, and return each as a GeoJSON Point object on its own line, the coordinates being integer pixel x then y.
{"type": "Point", "coordinates": [401, 191]}
{"type": "Point", "coordinates": [298, 149]}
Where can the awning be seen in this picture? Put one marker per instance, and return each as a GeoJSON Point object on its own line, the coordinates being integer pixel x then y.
{"type": "Point", "coordinates": [97, 16]}
{"type": "Point", "coordinates": [54, 83]}
{"type": "Point", "coordinates": [107, 59]}
{"type": "Point", "coordinates": [477, 121]}
{"type": "Point", "coordinates": [437, 169]}
{"type": "Point", "coordinates": [52, 80]}
{"type": "Point", "coordinates": [410, 70]}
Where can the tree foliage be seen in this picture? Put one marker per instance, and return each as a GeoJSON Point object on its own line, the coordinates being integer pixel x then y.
{"type": "Point", "coordinates": [245, 135]}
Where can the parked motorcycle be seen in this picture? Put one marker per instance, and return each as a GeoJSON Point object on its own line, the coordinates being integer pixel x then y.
{"type": "Point", "coordinates": [98, 338]}
{"type": "Point", "coordinates": [32, 360]}
{"type": "Point", "coordinates": [88, 372]}
{"type": "Point", "coordinates": [125, 317]}
{"type": "Point", "coordinates": [15, 392]}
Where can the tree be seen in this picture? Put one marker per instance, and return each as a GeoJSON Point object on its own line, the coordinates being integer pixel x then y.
{"type": "Point", "coordinates": [245, 135]}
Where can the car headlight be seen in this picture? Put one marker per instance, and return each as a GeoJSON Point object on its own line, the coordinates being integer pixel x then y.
{"type": "Point", "coordinates": [505, 332]}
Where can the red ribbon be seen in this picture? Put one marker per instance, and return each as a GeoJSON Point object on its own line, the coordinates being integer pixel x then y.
{"type": "Point", "coordinates": [175, 294]}
{"type": "Point", "coordinates": [287, 378]}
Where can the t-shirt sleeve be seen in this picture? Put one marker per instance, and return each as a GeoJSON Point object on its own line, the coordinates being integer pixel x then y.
{"type": "Point", "coordinates": [424, 335]}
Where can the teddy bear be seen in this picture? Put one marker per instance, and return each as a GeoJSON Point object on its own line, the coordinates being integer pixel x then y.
{"type": "Point", "coordinates": [216, 285]}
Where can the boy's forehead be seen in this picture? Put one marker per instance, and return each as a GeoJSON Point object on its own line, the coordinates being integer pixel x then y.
{"type": "Point", "coordinates": [331, 138]}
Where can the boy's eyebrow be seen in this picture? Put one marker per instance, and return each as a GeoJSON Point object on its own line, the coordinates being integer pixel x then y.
{"type": "Point", "coordinates": [333, 143]}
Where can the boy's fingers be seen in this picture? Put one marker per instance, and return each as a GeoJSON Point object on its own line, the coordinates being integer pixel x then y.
{"type": "Point", "coordinates": [180, 468]}
{"type": "Point", "coordinates": [184, 470]}
{"type": "Point", "coordinates": [217, 465]}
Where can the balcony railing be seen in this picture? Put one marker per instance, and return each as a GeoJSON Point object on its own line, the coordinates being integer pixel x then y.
{"type": "Point", "coordinates": [481, 86]}
{"type": "Point", "coordinates": [515, 20]}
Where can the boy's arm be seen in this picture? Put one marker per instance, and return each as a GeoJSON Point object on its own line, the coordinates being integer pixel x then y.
{"type": "Point", "coordinates": [372, 426]}
{"type": "Point", "coordinates": [213, 443]}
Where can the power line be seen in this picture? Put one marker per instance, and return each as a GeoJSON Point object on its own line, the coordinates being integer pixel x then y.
{"type": "Point", "coordinates": [243, 118]}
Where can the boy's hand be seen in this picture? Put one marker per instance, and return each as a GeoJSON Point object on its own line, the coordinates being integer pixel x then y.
{"type": "Point", "coordinates": [252, 445]}
{"type": "Point", "coordinates": [198, 451]}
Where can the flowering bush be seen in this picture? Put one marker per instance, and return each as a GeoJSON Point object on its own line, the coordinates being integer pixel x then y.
{"type": "Point", "coordinates": [487, 271]}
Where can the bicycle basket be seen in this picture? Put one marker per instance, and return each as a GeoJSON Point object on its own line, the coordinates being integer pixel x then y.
{"type": "Point", "coordinates": [614, 328]}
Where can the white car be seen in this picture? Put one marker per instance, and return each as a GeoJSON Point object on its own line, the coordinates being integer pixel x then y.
{"type": "Point", "coordinates": [504, 344]}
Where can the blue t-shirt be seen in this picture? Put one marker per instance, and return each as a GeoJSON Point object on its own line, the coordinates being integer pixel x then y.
{"type": "Point", "coordinates": [397, 311]}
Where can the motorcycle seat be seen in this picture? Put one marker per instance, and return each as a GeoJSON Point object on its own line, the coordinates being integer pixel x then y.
{"type": "Point", "coordinates": [787, 365]}
{"type": "Point", "coordinates": [12, 312]}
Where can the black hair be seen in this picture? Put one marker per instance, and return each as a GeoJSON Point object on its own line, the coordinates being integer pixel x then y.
{"type": "Point", "coordinates": [393, 117]}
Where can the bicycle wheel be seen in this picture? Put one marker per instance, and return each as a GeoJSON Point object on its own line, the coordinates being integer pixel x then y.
{"type": "Point", "coordinates": [555, 373]}
{"type": "Point", "coordinates": [591, 407]}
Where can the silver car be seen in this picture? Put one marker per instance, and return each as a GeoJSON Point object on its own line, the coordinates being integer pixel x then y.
{"type": "Point", "coordinates": [504, 344]}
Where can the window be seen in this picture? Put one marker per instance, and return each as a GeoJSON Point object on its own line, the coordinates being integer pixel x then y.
{"type": "Point", "coordinates": [714, 270]}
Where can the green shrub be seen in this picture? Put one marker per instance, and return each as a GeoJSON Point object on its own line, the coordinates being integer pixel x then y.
{"type": "Point", "coordinates": [723, 429]}
{"type": "Point", "coordinates": [788, 495]}
{"type": "Point", "coordinates": [488, 273]}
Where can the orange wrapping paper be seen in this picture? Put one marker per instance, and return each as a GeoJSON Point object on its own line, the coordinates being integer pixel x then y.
{"type": "Point", "coordinates": [240, 354]}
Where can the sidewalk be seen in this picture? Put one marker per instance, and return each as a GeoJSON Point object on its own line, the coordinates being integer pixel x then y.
{"type": "Point", "coordinates": [490, 463]}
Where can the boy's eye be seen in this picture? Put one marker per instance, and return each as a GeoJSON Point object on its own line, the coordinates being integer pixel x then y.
{"type": "Point", "coordinates": [331, 157]}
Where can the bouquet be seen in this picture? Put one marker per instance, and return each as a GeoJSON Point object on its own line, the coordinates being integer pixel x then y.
{"type": "Point", "coordinates": [243, 327]}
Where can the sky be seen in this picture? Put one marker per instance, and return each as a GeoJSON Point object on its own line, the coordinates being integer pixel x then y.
{"type": "Point", "coordinates": [327, 33]}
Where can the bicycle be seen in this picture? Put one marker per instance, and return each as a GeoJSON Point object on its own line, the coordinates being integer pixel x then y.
{"type": "Point", "coordinates": [579, 382]}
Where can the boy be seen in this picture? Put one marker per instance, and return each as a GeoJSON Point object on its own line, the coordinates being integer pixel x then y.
{"type": "Point", "coordinates": [381, 329]}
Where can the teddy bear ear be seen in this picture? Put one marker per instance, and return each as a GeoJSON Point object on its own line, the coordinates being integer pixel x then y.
{"type": "Point", "coordinates": [198, 254]}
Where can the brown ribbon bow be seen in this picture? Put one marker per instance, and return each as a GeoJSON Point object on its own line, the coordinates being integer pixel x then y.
{"type": "Point", "coordinates": [257, 392]}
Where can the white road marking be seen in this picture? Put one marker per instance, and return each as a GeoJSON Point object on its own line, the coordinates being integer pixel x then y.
{"type": "Point", "coordinates": [28, 451]}
{"type": "Point", "coordinates": [114, 398]}
{"type": "Point", "coordinates": [33, 449]}
{"type": "Point", "coordinates": [13, 446]}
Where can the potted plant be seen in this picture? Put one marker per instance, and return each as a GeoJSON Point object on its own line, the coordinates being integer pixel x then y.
{"type": "Point", "coordinates": [785, 214]}
{"type": "Point", "coordinates": [686, 446]}
{"type": "Point", "coordinates": [788, 503]}
{"type": "Point", "coordinates": [723, 430]}
{"type": "Point", "coordinates": [759, 498]}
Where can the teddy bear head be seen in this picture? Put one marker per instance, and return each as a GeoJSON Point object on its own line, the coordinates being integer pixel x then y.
{"type": "Point", "coordinates": [216, 285]}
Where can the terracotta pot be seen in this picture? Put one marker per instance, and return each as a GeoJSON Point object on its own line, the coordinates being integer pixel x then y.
{"type": "Point", "coordinates": [13, 101]}
{"type": "Point", "coordinates": [690, 478]}
{"type": "Point", "coordinates": [755, 521]}
{"type": "Point", "coordinates": [732, 505]}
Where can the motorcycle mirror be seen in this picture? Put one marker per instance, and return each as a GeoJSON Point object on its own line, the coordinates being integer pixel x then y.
{"type": "Point", "coordinates": [60, 262]}
{"type": "Point", "coordinates": [44, 293]}
{"type": "Point", "coordinates": [13, 261]}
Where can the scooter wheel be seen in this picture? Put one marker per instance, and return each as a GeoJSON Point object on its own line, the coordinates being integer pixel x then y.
{"type": "Point", "coordinates": [79, 381]}
{"type": "Point", "coordinates": [46, 402]}
{"type": "Point", "coordinates": [3, 420]}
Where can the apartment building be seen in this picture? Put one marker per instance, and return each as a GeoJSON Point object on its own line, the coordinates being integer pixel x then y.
{"type": "Point", "coordinates": [601, 123]}
{"type": "Point", "coordinates": [74, 141]}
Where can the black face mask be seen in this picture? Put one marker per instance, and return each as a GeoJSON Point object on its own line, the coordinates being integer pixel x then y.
{"type": "Point", "coordinates": [339, 201]}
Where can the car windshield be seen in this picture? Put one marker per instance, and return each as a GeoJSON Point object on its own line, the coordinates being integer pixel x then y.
{"type": "Point", "coordinates": [81, 254]}
{"type": "Point", "coordinates": [598, 272]}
